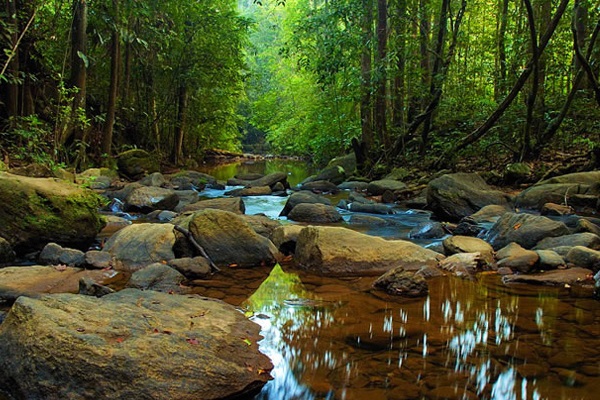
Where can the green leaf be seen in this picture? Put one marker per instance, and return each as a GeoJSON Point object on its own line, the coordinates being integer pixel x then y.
{"type": "Point", "coordinates": [84, 58]}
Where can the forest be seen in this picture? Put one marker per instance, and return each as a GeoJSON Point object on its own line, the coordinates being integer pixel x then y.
{"type": "Point", "coordinates": [430, 83]}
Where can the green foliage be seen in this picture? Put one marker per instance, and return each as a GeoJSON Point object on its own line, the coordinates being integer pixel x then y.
{"type": "Point", "coordinates": [27, 139]}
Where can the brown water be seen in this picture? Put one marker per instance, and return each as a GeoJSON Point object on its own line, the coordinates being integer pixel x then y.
{"type": "Point", "coordinates": [335, 338]}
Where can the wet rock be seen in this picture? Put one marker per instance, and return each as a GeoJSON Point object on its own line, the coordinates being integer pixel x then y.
{"type": "Point", "coordinates": [300, 197]}
{"type": "Point", "coordinates": [468, 227]}
{"type": "Point", "coordinates": [192, 268]}
{"type": "Point", "coordinates": [341, 251]}
{"type": "Point", "coordinates": [235, 205]}
{"type": "Point", "coordinates": [578, 239]}
{"type": "Point", "coordinates": [455, 196]}
{"type": "Point", "coordinates": [467, 244]}
{"type": "Point", "coordinates": [37, 279]}
{"type": "Point", "coordinates": [377, 188]}
{"type": "Point", "coordinates": [155, 179]}
{"type": "Point", "coordinates": [113, 224]}
{"type": "Point", "coordinates": [261, 224]}
{"type": "Point", "coordinates": [399, 282]}
{"type": "Point", "coordinates": [158, 277]}
{"type": "Point", "coordinates": [250, 191]}
{"type": "Point", "coordinates": [524, 229]}
{"type": "Point", "coordinates": [584, 225]}
{"type": "Point", "coordinates": [136, 163]}
{"type": "Point", "coordinates": [138, 245]}
{"type": "Point", "coordinates": [584, 257]}
{"type": "Point", "coordinates": [83, 347]}
{"type": "Point", "coordinates": [320, 187]}
{"type": "Point", "coordinates": [359, 198]}
{"type": "Point", "coordinates": [7, 254]}
{"type": "Point", "coordinates": [353, 185]}
{"type": "Point", "coordinates": [149, 198]}
{"type": "Point", "coordinates": [96, 178]}
{"type": "Point", "coordinates": [285, 237]}
{"type": "Point", "coordinates": [314, 213]}
{"type": "Point", "coordinates": [463, 265]}
{"type": "Point", "coordinates": [489, 213]}
{"type": "Point", "coordinates": [427, 230]}
{"type": "Point", "coordinates": [367, 220]}
{"type": "Point", "coordinates": [270, 180]}
{"type": "Point", "coordinates": [335, 174]}
{"type": "Point", "coordinates": [54, 254]}
{"type": "Point", "coordinates": [370, 208]}
{"type": "Point", "coordinates": [556, 210]}
{"type": "Point", "coordinates": [517, 258]}
{"type": "Point", "coordinates": [549, 260]}
{"type": "Point", "coordinates": [559, 277]}
{"type": "Point", "coordinates": [162, 215]}
{"type": "Point", "coordinates": [229, 240]}
{"type": "Point", "coordinates": [36, 211]}
{"type": "Point", "coordinates": [89, 287]}
{"type": "Point", "coordinates": [197, 180]}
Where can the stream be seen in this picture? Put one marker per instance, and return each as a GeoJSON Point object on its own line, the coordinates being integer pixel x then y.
{"type": "Point", "coordinates": [336, 338]}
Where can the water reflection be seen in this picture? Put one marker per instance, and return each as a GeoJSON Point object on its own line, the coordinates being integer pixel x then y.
{"type": "Point", "coordinates": [335, 339]}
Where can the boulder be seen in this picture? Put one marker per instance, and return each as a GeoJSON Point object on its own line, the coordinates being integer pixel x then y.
{"type": "Point", "coordinates": [517, 173]}
{"type": "Point", "coordinates": [155, 179]}
{"type": "Point", "coordinates": [129, 344]}
{"type": "Point", "coordinates": [285, 237]}
{"type": "Point", "coordinates": [150, 198]}
{"type": "Point", "coordinates": [37, 279]}
{"type": "Point", "coordinates": [250, 191]}
{"type": "Point", "coordinates": [158, 277]}
{"type": "Point", "coordinates": [320, 187]}
{"type": "Point", "coordinates": [89, 287]}
{"type": "Point", "coordinates": [138, 245]}
{"type": "Point", "coordinates": [192, 268]}
{"type": "Point", "coordinates": [468, 227]}
{"type": "Point", "coordinates": [454, 196]}
{"type": "Point", "coordinates": [367, 220]}
{"type": "Point", "coordinates": [462, 265]}
{"type": "Point", "coordinates": [559, 277]}
{"type": "Point", "coordinates": [489, 213]}
{"type": "Point", "coordinates": [467, 244]}
{"type": "Point", "coordinates": [556, 210]}
{"type": "Point", "coordinates": [517, 258]}
{"type": "Point", "coordinates": [342, 251]}
{"type": "Point", "coordinates": [557, 189]}
{"type": "Point", "coordinates": [335, 174]}
{"type": "Point", "coordinates": [303, 196]}
{"type": "Point", "coordinates": [377, 188]}
{"type": "Point", "coordinates": [54, 254]}
{"type": "Point", "coordinates": [399, 282]}
{"type": "Point", "coordinates": [314, 213]}
{"type": "Point", "coordinates": [353, 185]}
{"type": "Point", "coordinates": [370, 208]}
{"type": "Point", "coordinates": [261, 224]}
{"type": "Point", "coordinates": [583, 257]}
{"type": "Point", "coordinates": [186, 197]}
{"type": "Point", "coordinates": [229, 240]}
{"type": "Point", "coordinates": [585, 239]}
{"type": "Point", "coordinates": [136, 163]}
{"type": "Point", "coordinates": [427, 230]}
{"type": "Point", "coordinates": [524, 229]}
{"type": "Point", "coordinates": [270, 180]}
{"type": "Point", "coordinates": [235, 205]}
{"type": "Point", "coordinates": [36, 211]}
{"type": "Point", "coordinates": [98, 259]}
{"type": "Point", "coordinates": [549, 260]}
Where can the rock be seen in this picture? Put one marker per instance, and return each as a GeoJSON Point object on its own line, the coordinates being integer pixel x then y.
{"type": "Point", "coordinates": [489, 213]}
{"type": "Point", "coordinates": [427, 230]}
{"type": "Point", "coordinates": [569, 276]}
{"type": "Point", "coordinates": [37, 279]}
{"type": "Point", "coordinates": [303, 196]}
{"type": "Point", "coordinates": [36, 211]}
{"type": "Point", "coordinates": [271, 179]}
{"type": "Point", "coordinates": [122, 193]}
{"type": "Point", "coordinates": [549, 260]}
{"type": "Point", "coordinates": [33, 170]}
{"type": "Point", "coordinates": [359, 198]}
{"type": "Point", "coordinates": [377, 188]}
{"type": "Point", "coordinates": [367, 220]}
{"type": "Point", "coordinates": [249, 176]}
{"type": "Point", "coordinates": [455, 196]}
{"type": "Point", "coordinates": [468, 227]}
{"type": "Point", "coordinates": [98, 259]}
{"type": "Point", "coordinates": [113, 224]}
{"type": "Point", "coordinates": [584, 225]}
{"type": "Point", "coordinates": [235, 205]}
{"type": "Point", "coordinates": [186, 197]}
{"type": "Point", "coordinates": [7, 254]}
{"type": "Point", "coordinates": [138, 245]}
{"type": "Point", "coordinates": [194, 180]}
{"type": "Point", "coordinates": [136, 163]}
{"type": "Point", "coordinates": [285, 237]}
{"type": "Point", "coordinates": [229, 240]}
{"type": "Point", "coordinates": [517, 258]}
{"type": "Point", "coordinates": [370, 208]}
{"type": "Point", "coordinates": [334, 174]}
{"type": "Point", "coordinates": [314, 213]}
{"type": "Point", "coordinates": [89, 287]}
{"type": "Point", "coordinates": [556, 210]}
{"type": "Point", "coordinates": [463, 265]}
{"type": "Point", "coordinates": [155, 179]}
{"type": "Point", "coordinates": [402, 283]}
{"type": "Point", "coordinates": [150, 198]}
{"type": "Point", "coordinates": [524, 229]}
{"type": "Point", "coordinates": [250, 191]}
{"type": "Point", "coordinates": [467, 244]}
{"type": "Point", "coordinates": [261, 224]}
{"type": "Point", "coordinates": [341, 251]}
{"type": "Point", "coordinates": [320, 187]}
{"type": "Point", "coordinates": [192, 268]}
{"type": "Point", "coordinates": [130, 344]}
{"type": "Point", "coordinates": [353, 185]}
{"type": "Point", "coordinates": [54, 254]}
{"type": "Point", "coordinates": [577, 239]}
{"type": "Point", "coordinates": [158, 277]}
{"type": "Point", "coordinates": [517, 173]}
{"type": "Point", "coordinates": [583, 257]}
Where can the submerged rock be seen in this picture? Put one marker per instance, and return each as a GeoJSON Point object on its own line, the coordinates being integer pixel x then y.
{"type": "Point", "coordinates": [402, 283]}
{"type": "Point", "coordinates": [130, 344]}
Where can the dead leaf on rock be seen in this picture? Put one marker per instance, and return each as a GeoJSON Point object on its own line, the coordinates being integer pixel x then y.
{"type": "Point", "coordinates": [193, 341]}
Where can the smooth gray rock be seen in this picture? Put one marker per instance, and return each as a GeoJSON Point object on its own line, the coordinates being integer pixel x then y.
{"type": "Point", "coordinates": [303, 196]}
{"type": "Point", "coordinates": [377, 188]}
{"type": "Point", "coordinates": [192, 268]}
{"type": "Point", "coordinates": [54, 254]}
{"type": "Point", "coordinates": [158, 277]}
{"type": "Point", "coordinates": [524, 229]}
{"type": "Point", "coordinates": [517, 258]}
{"type": "Point", "coordinates": [577, 239]}
{"type": "Point", "coordinates": [234, 205]}
{"type": "Point", "coordinates": [583, 257]}
{"type": "Point", "coordinates": [427, 230]}
{"type": "Point", "coordinates": [314, 213]}
{"type": "Point", "coordinates": [549, 260]}
{"type": "Point", "coordinates": [150, 198]}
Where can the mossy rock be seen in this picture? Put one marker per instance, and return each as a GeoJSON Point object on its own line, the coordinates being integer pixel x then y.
{"type": "Point", "coordinates": [37, 211]}
{"type": "Point", "coordinates": [137, 163]}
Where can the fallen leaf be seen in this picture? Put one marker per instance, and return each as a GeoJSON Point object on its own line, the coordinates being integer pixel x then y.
{"type": "Point", "coordinates": [247, 341]}
{"type": "Point", "coordinates": [233, 265]}
{"type": "Point", "coordinates": [120, 340]}
{"type": "Point", "coordinates": [192, 341]}
{"type": "Point", "coordinates": [517, 226]}
{"type": "Point", "coordinates": [261, 371]}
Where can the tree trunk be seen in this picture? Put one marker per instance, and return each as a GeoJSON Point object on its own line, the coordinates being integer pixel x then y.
{"type": "Point", "coordinates": [180, 126]}
{"type": "Point", "coordinates": [417, 99]}
{"type": "Point", "coordinates": [12, 94]}
{"type": "Point", "coordinates": [78, 68]}
{"type": "Point", "coordinates": [381, 79]}
{"type": "Point", "coordinates": [399, 23]}
{"type": "Point", "coordinates": [115, 61]}
{"type": "Point", "coordinates": [366, 113]}
{"type": "Point", "coordinates": [500, 82]}
{"type": "Point", "coordinates": [526, 142]}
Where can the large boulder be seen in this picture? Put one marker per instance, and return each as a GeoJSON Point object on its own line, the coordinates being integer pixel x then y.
{"type": "Point", "coordinates": [314, 213]}
{"type": "Point", "coordinates": [583, 257]}
{"type": "Point", "coordinates": [524, 229]}
{"type": "Point", "coordinates": [136, 163]}
{"type": "Point", "coordinates": [303, 196]}
{"type": "Point", "coordinates": [229, 240]}
{"type": "Point", "coordinates": [150, 198]}
{"type": "Point", "coordinates": [234, 204]}
{"type": "Point", "coordinates": [270, 180]}
{"type": "Point", "coordinates": [585, 239]}
{"type": "Point", "coordinates": [557, 189]}
{"type": "Point", "coordinates": [139, 245]}
{"type": "Point", "coordinates": [377, 188]}
{"type": "Point", "coordinates": [454, 196]}
{"type": "Point", "coordinates": [160, 278]}
{"type": "Point", "coordinates": [342, 251]}
{"type": "Point", "coordinates": [130, 344]}
{"type": "Point", "coordinates": [36, 211]}
{"type": "Point", "coordinates": [467, 244]}
{"type": "Point", "coordinates": [402, 283]}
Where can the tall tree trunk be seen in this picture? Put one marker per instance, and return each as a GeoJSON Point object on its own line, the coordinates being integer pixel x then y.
{"type": "Point", "coordinates": [78, 68]}
{"type": "Point", "coordinates": [115, 61]}
{"type": "Point", "coordinates": [500, 81]}
{"type": "Point", "coordinates": [180, 125]}
{"type": "Point", "coordinates": [580, 16]}
{"type": "Point", "coordinates": [366, 113]}
{"type": "Point", "coordinates": [418, 98]}
{"type": "Point", "coordinates": [531, 98]}
{"type": "Point", "coordinates": [399, 24]}
{"type": "Point", "coordinates": [381, 80]}
{"type": "Point", "coordinates": [12, 94]}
